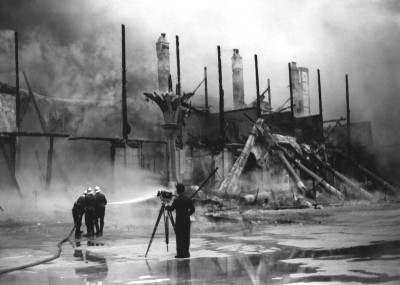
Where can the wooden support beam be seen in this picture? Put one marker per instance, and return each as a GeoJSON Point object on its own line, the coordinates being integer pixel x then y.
{"type": "Point", "coordinates": [348, 136]}
{"type": "Point", "coordinates": [32, 97]}
{"type": "Point", "coordinates": [205, 88]}
{"type": "Point", "coordinates": [42, 179]}
{"type": "Point", "coordinates": [34, 134]}
{"type": "Point", "coordinates": [49, 164]}
{"type": "Point", "coordinates": [11, 169]}
{"type": "Point", "coordinates": [45, 129]}
{"type": "Point", "coordinates": [291, 89]}
{"type": "Point", "coordinates": [178, 68]}
{"type": "Point", "coordinates": [115, 140]}
{"type": "Point", "coordinates": [269, 96]}
{"type": "Point", "coordinates": [17, 95]}
{"type": "Point", "coordinates": [257, 88]}
{"type": "Point", "coordinates": [221, 100]}
{"type": "Point", "coordinates": [126, 128]}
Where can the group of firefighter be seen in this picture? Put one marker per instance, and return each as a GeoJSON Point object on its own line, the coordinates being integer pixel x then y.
{"type": "Point", "coordinates": [92, 204]}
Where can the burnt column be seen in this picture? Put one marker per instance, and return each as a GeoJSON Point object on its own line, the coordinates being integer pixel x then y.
{"type": "Point", "coordinates": [205, 88]}
{"type": "Point", "coordinates": [49, 163]}
{"type": "Point", "coordinates": [178, 68]}
{"type": "Point", "coordinates": [16, 154]}
{"type": "Point", "coordinates": [291, 89]}
{"type": "Point", "coordinates": [348, 136]}
{"type": "Point", "coordinates": [17, 95]}
{"type": "Point", "coordinates": [269, 95]}
{"type": "Point", "coordinates": [258, 88]}
{"type": "Point", "coordinates": [320, 103]}
{"type": "Point", "coordinates": [291, 99]}
{"type": "Point", "coordinates": [221, 111]}
{"type": "Point", "coordinates": [125, 125]}
{"type": "Point", "coordinates": [221, 100]}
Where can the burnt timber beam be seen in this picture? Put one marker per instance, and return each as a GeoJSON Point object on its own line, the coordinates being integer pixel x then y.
{"type": "Point", "coordinates": [291, 89]}
{"type": "Point", "coordinates": [178, 68]}
{"type": "Point", "coordinates": [45, 129]}
{"type": "Point", "coordinates": [368, 173]}
{"type": "Point", "coordinates": [320, 102]}
{"type": "Point", "coordinates": [17, 94]}
{"type": "Point", "coordinates": [40, 166]}
{"type": "Point", "coordinates": [115, 140]}
{"type": "Point", "coordinates": [49, 164]}
{"type": "Point", "coordinates": [186, 105]}
{"type": "Point", "coordinates": [348, 136]}
{"type": "Point", "coordinates": [125, 126]}
{"type": "Point", "coordinates": [314, 176]}
{"type": "Point", "coordinates": [34, 134]}
{"type": "Point", "coordinates": [269, 95]}
{"type": "Point", "coordinates": [11, 169]}
{"type": "Point", "coordinates": [335, 120]}
{"type": "Point", "coordinates": [32, 97]}
{"type": "Point", "coordinates": [16, 154]}
{"type": "Point", "coordinates": [257, 88]}
{"type": "Point", "coordinates": [221, 100]}
{"type": "Point", "coordinates": [205, 88]}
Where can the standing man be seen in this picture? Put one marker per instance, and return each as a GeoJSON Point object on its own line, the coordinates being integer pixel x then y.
{"type": "Point", "coordinates": [90, 212]}
{"type": "Point", "coordinates": [77, 212]}
{"type": "Point", "coordinates": [184, 208]}
{"type": "Point", "coordinates": [101, 203]}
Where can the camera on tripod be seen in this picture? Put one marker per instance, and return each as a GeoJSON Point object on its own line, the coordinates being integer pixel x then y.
{"type": "Point", "coordinates": [165, 195]}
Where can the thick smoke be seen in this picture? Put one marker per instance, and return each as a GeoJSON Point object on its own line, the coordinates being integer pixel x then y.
{"type": "Point", "coordinates": [72, 49]}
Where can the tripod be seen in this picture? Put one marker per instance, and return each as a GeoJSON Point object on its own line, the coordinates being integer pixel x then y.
{"type": "Point", "coordinates": [166, 223]}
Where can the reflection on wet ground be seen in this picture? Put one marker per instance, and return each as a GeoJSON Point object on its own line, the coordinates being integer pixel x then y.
{"type": "Point", "coordinates": [92, 262]}
{"type": "Point", "coordinates": [91, 274]}
{"type": "Point", "coordinates": [375, 263]}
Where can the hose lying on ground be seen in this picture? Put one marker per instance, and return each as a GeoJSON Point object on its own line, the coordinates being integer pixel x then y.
{"type": "Point", "coordinates": [7, 270]}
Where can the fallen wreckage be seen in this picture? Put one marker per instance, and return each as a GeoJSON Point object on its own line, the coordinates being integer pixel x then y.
{"type": "Point", "coordinates": [297, 160]}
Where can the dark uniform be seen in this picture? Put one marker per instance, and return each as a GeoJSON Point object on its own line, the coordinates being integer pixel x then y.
{"type": "Point", "coordinates": [184, 208]}
{"type": "Point", "coordinates": [77, 212]}
{"type": "Point", "coordinates": [90, 213]}
{"type": "Point", "coordinates": [101, 203]}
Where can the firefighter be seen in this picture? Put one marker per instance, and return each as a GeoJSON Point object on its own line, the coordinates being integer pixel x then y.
{"type": "Point", "coordinates": [90, 203]}
{"type": "Point", "coordinates": [77, 212]}
{"type": "Point", "coordinates": [184, 208]}
{"type": "Point", "coordinates": [101, 203]}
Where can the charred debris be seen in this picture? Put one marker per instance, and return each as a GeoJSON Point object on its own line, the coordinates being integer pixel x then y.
{"type": "Point", "coordinates": [281, 157]}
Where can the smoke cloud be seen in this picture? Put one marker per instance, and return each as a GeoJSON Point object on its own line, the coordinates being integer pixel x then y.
{"type": "Point", "coordinates": [72, 49]}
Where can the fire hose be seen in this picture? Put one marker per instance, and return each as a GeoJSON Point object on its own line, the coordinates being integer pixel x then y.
{"type": "Point", "coordinates": [55, 256]}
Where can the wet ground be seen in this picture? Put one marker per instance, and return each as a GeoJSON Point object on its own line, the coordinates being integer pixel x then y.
{"type": "Point", "coordinates": [344, 245]}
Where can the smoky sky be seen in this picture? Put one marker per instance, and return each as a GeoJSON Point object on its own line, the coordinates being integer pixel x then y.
{"type": "Point", "coordinates": [72, 49]}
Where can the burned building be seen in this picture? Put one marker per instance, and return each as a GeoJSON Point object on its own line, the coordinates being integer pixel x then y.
{"type": "Point", "coordinates": [186, 143]}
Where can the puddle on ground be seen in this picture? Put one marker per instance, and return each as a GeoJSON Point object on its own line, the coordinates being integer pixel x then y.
{"type": "Point", "coordinates": [374, 263]}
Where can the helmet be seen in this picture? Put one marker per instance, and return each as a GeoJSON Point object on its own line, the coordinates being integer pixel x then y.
{"type": "Point", "coordinates": [97, 189]}
{"type": "Point", "coordinates": [89, 189]}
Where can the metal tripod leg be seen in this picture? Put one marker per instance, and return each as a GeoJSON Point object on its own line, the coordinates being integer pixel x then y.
{"type": "Point", "coordinates": [155, 227]}
{"type": "Point", "coordinates": [172, 220]}
{"type": "Point", "coordinates": [166, 224]}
